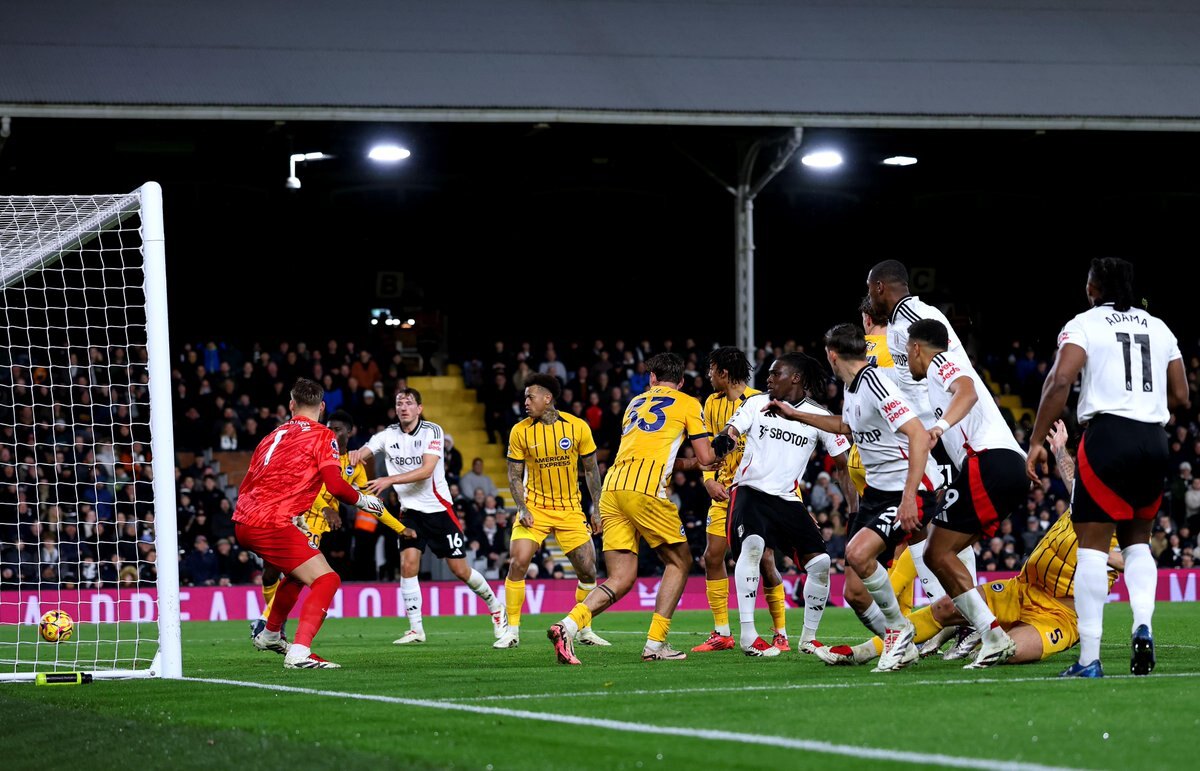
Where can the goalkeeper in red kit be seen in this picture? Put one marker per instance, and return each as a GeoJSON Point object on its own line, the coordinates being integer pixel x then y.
{"type": "Point", "coordinates": [286, 473]}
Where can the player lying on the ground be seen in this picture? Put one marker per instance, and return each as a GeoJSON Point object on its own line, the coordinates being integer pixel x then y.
{"type": "Point", "coordinates": [1036, 608]}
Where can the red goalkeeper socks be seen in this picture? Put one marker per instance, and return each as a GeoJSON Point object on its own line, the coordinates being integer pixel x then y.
{"type": "Point", "coordinates": [285, 600]}
{"type": "Point", "coordinates": [312, 615]}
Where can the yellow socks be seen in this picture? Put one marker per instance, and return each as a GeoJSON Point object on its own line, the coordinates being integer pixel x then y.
{"type": "Point", "coordinates": [514, 598]}
{"type": "Point", "coordinates": [269, 597]}
{"type": "Point", "coordinates": [581, 615]}
{"type": "Point", "coordinates": [659, 627]}
{"type": "Point", "coordinates": [718, 602]}
{"type": "Point", "coordinates": [778, 607]}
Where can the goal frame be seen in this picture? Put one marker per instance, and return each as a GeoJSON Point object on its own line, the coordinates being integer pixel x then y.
{"type": "Point", "coordinates": [146, 202]}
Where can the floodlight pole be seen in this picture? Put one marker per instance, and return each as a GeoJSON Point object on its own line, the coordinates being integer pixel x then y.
{"type": "Point", "coordinates": [747, 189]}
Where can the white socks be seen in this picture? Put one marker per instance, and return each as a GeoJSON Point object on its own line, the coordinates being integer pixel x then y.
{"type": "Point", "coordinates": [746, 580]}
{"type": "Point", "coordinates": [872, 619]}
{"type": "Point", "coordinates": [975, 610]}
{"type": "Point", "coordinates": [479, 585]}
{"type": "Point", "coordinates": [967, 558]}
{"type": "Point", "coordinates": [1091, 592]}
{"type": "Point", "coordinates": [816, 594]}
{"type": "Point", "coordinates": [410, 589]}
{"type": "Point", "coordinates": [1141, 579]}
{"type": "Point", "coordinates": [933, 587]}
{"type": "Point", "coordinates": [885, 597]}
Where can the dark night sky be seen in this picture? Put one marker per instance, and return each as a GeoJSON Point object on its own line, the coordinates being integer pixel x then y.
{"type": "Point", "coordinates": [585, 231]}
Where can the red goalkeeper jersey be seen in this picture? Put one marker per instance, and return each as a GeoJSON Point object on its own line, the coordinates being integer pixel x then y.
{"type": "Point", "coordinates": [285, 473]}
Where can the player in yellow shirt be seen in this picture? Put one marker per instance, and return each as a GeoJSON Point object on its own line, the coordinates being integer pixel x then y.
{"type": "Point", "coordinates": [323, 514]}
{"type": "Point", "coordinates": [1036, 608]}
{"type": "Point", "coordinates": [875, 333]}
{"type": "Point", "coordinates": [545, 451]}
{"type": "Point", "coordinates": [634, 505]}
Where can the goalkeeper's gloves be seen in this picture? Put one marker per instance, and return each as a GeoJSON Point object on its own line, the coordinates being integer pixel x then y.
{"type": "Point", "coordinates": [369, 504]}
{"type": "Point", "coordinates": [723, 444]}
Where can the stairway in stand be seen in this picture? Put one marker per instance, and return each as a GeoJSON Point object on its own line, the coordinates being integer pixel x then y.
{"type": "Point", "coordinates": [453, 406]}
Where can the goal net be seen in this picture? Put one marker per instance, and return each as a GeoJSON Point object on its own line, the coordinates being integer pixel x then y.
{"type": "Point", "coordinates": [87, 488]}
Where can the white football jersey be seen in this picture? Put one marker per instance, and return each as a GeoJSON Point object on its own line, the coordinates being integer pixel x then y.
{"type": "Point", "coordinates": [777, 449]}
{"type": "Point", "coordinates": [983, 428]}
{"type": "Point", "coordinates": [1126, 369]}
{"type": "Point", "coordinates": [875, 410]}
{"type": "Point", "coordinates": [907, 311]}
{"type": "Point", "coordinates": [405, 452]}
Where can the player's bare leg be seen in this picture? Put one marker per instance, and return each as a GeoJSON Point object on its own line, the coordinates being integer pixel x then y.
{"type": "Point", "coordinates": [478, 584]}
{"type": "Point", "coordinates": [677, 558]}
{"type": "Point", "coordinates": [323, 583]}
{"type": "Point", "coordinates": [941, 555]}
{"type": "Point", "coordinates": [716, 584]}
{"type": "Point", "coordinates": [583, 559]}
{"type": "Point", "coordinates": [410, 590]}
{"type": "Point", "coordinates": [1029, 644]}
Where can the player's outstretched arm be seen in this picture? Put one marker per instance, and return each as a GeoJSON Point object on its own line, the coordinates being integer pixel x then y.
{"type": "Point", "coordinates": [831, 423]}
{"type": "Point", "coordinates": [842, 469]}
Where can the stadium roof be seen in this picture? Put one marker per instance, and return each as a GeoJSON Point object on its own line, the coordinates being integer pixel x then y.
{"type": "Point", "coordinates": [891, 63]}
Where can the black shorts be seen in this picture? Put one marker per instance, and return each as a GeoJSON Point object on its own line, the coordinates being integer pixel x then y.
{"type": "Point", "coordinates": [988, 490]}
{"type": "Point", "coordinates": [439, 530]}
{"type": "Point", "coordinates": [877, 510]}
{"type": "Point", "coordinates": [1120, 471]}
{"type": "Point", "coordinates": [785, 526]}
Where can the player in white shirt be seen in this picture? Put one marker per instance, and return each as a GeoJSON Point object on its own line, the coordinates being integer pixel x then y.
{"type": "Point", "coordinates": [766, 510]}
{"type": "Point", "coordinates": [1133, 376]}
{"type": "Point", "coordinates": [901, 479]}
{"type": "Point", "coordinates": [990, 484]}
{"type": "Point", "coordinates": [887, 289]}
{"type": "Point", "coordinates": [413, 455]}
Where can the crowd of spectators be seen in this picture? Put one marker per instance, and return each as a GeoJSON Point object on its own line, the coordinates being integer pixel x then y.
{"type": "Point", "coordinates": [77, 508]}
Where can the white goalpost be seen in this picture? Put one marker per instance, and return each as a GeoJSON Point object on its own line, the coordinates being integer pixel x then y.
{"type": "Point", "coordinates": [87, 458]}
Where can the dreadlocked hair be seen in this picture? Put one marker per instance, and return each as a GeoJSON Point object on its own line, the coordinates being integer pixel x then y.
{"type": "Point", "coordinates": [811, 372]}
{"type": "Point", "coordinates": [732, 361]}
{"type": "Point", "coordinates": [1114, 277]}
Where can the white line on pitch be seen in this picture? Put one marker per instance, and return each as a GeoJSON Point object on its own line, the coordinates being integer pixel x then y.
{"type": "Point", "coordinates": [886, 680]}
{"type": "Point", "coordinates": [829, 748]}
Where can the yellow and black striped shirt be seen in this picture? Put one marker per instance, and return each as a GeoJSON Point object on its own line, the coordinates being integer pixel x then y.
{"type": "Point", "coordinates": [718, 409]}
{"type": "Point", "coordinates": [1051, 564]}
{"type": "Point", "coordinates": [315, 516]}
{"type": "Point", "coordinates": [654, 427]}
{"type": "Point", "coordinates": [551, 456]}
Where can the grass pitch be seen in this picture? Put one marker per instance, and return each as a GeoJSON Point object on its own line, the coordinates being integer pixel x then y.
{"type": "Point", "coordinates": [454, 702]}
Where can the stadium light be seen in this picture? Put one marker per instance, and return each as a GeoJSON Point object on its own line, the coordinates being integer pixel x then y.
{"type": "Point", "coordinates": [822, 159]}
{"type": "Point", "coordinates": [899, 160]}
{"type": "Point", "coordinates": [388, 153]}
{"type": "Point", "coordinates": [293, 182]}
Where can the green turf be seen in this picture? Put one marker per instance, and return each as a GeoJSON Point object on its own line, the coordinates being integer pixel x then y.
{"type": "Point", "coordinates": [1013, 713]}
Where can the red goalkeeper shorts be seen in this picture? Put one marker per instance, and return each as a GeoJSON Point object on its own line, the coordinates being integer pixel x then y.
{"type": "Point", "coordinates": [286, 548]}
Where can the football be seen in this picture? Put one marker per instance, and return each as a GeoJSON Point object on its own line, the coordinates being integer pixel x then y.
{"type": "Point", "coordinates": [56, 626]}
